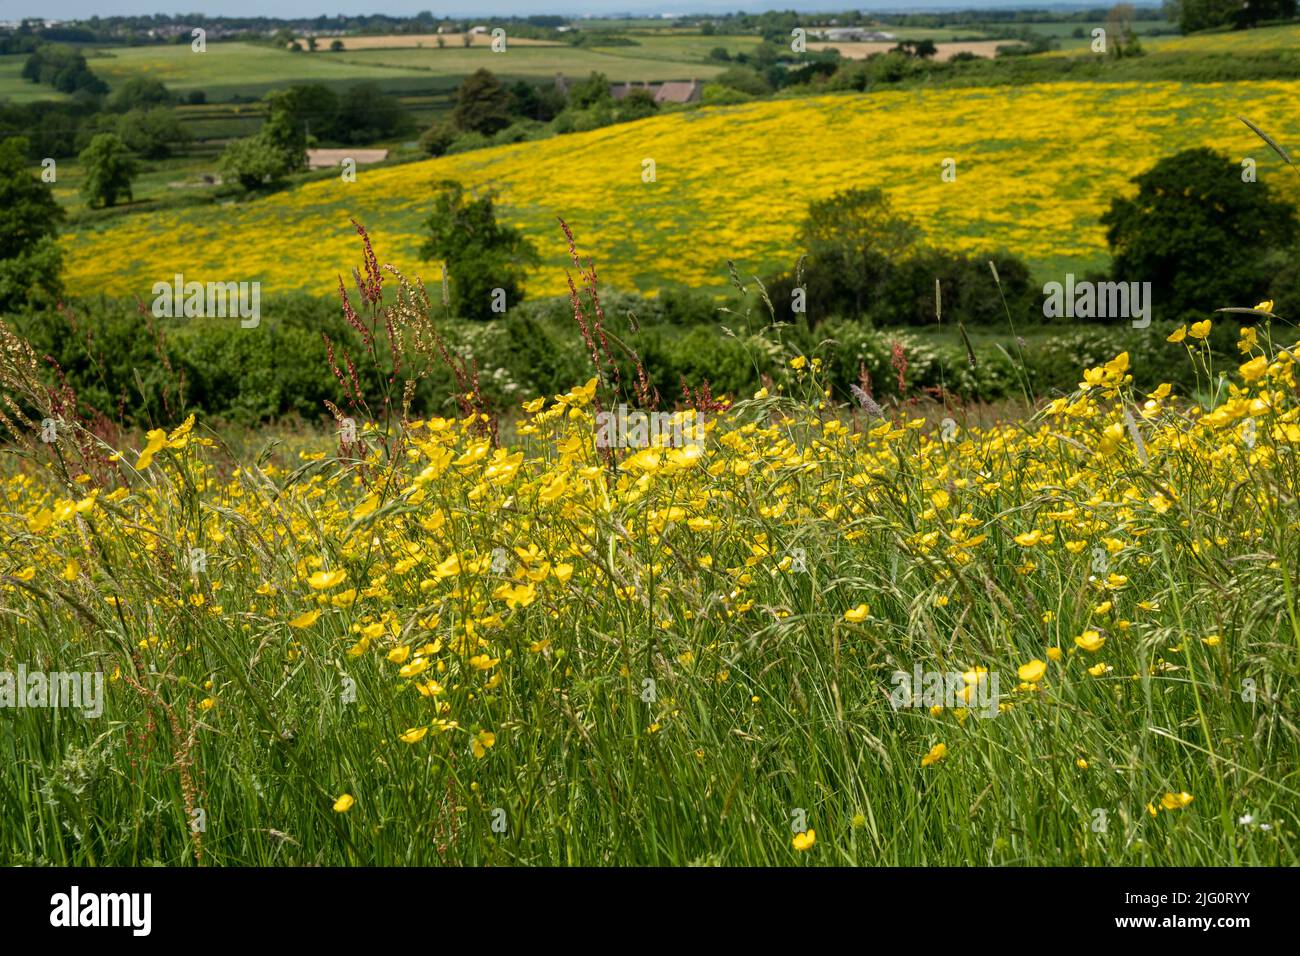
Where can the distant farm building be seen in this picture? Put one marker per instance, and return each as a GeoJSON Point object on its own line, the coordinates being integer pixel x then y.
{"type": "Point", "coordinates": [676, 92]}
{"type": "Point", "coordinates": [854, 35]}
{"type": "Point", "coordinates": [673, 91]}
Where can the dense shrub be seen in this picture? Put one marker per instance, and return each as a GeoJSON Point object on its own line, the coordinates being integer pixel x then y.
{"type": "Point", "coordinates": [1198, 233]}
{"type": "Point", "coordinates": [64, 68]}
{"type": "Point", "coordinates": [865, 260]}
{"type": "Point", "coordinates": [139, 93]}
{"type": "Point", "coordinates": [115, 356]}
{"type": "Point", "coordinates": [486, 260]}
{"type": "Point", "coordinates": [30, 256]}
{"type": "Point", "coordinates": [367, 114]}
{"type": "Point", "coordinates": [50, 129]}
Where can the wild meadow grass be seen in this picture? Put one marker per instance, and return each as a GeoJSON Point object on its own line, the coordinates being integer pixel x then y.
{"type": "Point", "coordinates": [422, 644]}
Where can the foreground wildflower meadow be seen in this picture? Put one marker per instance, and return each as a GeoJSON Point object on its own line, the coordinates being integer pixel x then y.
{"type": "Point", "coordinates": [483, 639]}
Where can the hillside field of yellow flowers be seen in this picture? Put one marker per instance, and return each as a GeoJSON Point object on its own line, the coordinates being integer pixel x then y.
{"type": "Point", "coordinates": [1036, 166]}
{"type": "Point", "coordinates": [819, 635]}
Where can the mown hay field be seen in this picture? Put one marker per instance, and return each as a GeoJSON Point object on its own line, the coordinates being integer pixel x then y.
{"type": "Point", "coordinates": [1036, 168]}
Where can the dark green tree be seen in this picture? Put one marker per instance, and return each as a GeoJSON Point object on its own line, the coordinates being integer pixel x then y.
{"type": "Point", "coordinates": [253, 163]}
{"type": "Point", "coordinates": [592, 91]}
{"type": "Point", "coordinates": [152, 133]}
{"type": "Point", "coordinates": [64, 68]}
{"type": "Point", "coordinates": [744, 79]}
{"type": "Point", "coordinates": [367, 113]}
{"type": "Point", "coordinates": [437, 138]}
{"type": "Point", "coordinates": [853, 243]}
{"type": "Point", "coordinates": [139, 92]}
{"type": "Point", "coordinates": [525, 101]}
{"type": "Point", "coordinates": [1202, 237]}
{"type": "Point", "coordinates": [278, 149]}
{"type": "Point", "coordinates": [479, 254]}
{"type": "Point", "coordinates": [1192, 15]}
{"type": "Point", "coordinates": [281, 130]}
{"type": "Point", "coordinates": [482, 104]}
{"type": "Point", "coordinates": [637, 104]}
{"type": "Point", "coordinates": [30, 258]}
{"type": "Point", "coordinates": [312, 108]}
{"type": "Point", "coordinates": [108, 169]}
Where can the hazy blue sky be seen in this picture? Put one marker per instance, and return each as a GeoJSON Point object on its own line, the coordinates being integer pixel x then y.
{"type": "Point", "coordinates": [69, 9]}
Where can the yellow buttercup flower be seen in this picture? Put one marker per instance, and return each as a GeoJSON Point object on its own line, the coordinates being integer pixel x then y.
{"type": "Point", "coordinates": [306, 619]}
{"type": "Point", "coordinates": [415, 668]}
{"type": "Point", "coordinates": [1254, 370]}
{"type": "Point", "coordinates": [482, 741]}
{"type": "Point", "coordinates": [323, 580]}
{"type": "Point", "coordinates": [1032, 672]}
{"type": "Point", "coordinates": [935, 754]}
{"type": "Point", "coordinates": [1090, 641]}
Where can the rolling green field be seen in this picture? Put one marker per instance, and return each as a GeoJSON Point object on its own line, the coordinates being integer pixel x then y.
{"type": "Point", "coordinates": [683, 48]}
{"type": "Point", "coordinates": [1064, 29]}
{"type": "Point", "coordinates": [229, 70]}
{"type": "Point", "coordinates": [14, 87]}
{"type": "Point", "coordinates": [538, 63]}
{"type": "Point", "coordinates": [1280, 38]}
{"type": "Point", "coordinates": [1236, 41]}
